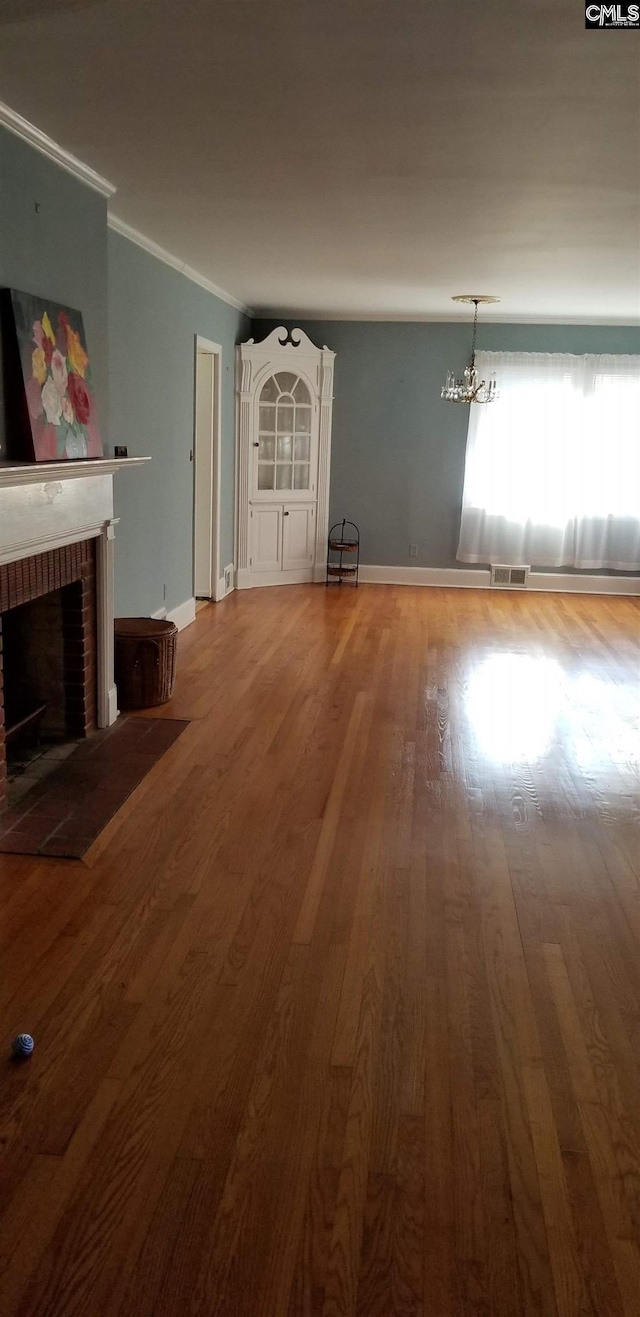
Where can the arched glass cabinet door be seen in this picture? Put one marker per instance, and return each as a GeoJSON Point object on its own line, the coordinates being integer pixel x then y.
{"type": "Point", "coordinates": [284, 447]}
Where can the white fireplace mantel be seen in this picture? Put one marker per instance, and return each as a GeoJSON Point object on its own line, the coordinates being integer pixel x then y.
{"type": "Point", "coordinates": [46, 505]}
{"type": "Point", "coordinates": [30, 473]}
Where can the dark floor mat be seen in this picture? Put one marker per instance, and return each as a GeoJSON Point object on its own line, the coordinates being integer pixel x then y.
{"type": "Point", "coordinates": [65, 813]}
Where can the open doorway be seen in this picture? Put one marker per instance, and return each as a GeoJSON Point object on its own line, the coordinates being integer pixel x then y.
{"type": "Point", "coordinates": [206, 483]}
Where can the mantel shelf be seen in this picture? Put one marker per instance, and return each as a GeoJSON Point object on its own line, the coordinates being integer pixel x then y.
{"type": "Point", "coordinates": [30, 473]}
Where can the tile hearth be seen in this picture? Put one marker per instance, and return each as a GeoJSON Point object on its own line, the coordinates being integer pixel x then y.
{"type": "Point", "coordinates": [65, 812]}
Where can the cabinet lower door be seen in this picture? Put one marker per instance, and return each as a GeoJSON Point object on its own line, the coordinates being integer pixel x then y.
{"type": "Point", "coordinates": [298, 535]}
{"type": "Point", "coordinates": [266, 539]}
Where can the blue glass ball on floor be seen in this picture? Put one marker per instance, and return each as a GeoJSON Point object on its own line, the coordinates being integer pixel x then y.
{"type": "Point", "coordinates": [23, 1045]}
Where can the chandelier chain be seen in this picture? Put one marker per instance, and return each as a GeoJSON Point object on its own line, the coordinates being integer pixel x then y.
{"type": "Point", "coordinates": [475, 331]}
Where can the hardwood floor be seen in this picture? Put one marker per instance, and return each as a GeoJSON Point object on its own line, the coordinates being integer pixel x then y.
{"type": "Point", "coordinates": [341, 1013]}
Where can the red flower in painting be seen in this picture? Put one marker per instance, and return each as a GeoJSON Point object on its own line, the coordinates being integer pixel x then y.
{"type": "Point", "coordinates": [33, 391]}
{"type": "Point", "coordinates": [80, 398]}
{"type": "Point", "coordinates": [47, 443]}
{"type": "Point", "coordinates": [47, 348]}
{"type": "Point", "coordinates": [61, 333]}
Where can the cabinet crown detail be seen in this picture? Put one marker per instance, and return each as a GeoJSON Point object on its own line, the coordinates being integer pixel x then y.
{"type": "Point", "coordinates": [287, 338]}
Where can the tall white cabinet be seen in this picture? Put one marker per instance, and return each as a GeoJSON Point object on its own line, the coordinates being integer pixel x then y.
{"type": "Point", "coordinates": [283, 452]}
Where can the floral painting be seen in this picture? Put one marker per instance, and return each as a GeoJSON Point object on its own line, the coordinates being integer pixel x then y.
{"type": "Point", "coordinates": [59, 419]}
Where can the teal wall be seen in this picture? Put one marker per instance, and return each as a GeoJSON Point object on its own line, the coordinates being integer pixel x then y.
{"type": "Point", "coordinates": [398, 450]}
{"type": "Point", "coordinates": [53, 241]}
{"type": "Point", "coordinates": [397, 459]}
{"type": "Point", "coordinates": [141, 318]}
{"type": "Point", "coordinates": [154, 316]}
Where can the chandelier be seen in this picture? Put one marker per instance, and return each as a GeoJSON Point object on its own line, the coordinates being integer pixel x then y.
{"type": "Point", "coordinates": [470, 388]}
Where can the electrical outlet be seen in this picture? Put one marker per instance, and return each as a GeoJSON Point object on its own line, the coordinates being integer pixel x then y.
{"type": "Point", "coordinates": [413, 551]}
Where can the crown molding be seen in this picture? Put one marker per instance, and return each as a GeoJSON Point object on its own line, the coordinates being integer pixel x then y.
{"type": "Point", "coordinates": [438, 317]}
{"type": "Point", "coordinates": [21, 127]}
{"type": "Point", "coordinates": [46, 146]}
{"type": "Point", "coordinates": [161, 254]}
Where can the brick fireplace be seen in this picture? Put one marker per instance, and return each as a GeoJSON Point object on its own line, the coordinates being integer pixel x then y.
{"type": "Point", "coordinates": [48, 646]}
{"type": "Point", "coordinates": [57, 532]}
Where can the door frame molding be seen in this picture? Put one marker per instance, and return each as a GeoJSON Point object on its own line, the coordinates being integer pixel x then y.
{"type": "Point", "coordinates": [253, 362]}
{"type": "Point", "coordinates": [214, 350]}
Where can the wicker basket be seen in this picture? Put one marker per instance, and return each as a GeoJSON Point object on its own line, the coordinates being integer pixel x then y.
{"type": "Point", "coordinates": [145, 661]}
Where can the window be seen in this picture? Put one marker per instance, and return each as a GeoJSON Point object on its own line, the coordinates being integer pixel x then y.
{"type": "Point", "coordinates": [284, 434]}
{"type": "Point", "coordinates": [552, 474]}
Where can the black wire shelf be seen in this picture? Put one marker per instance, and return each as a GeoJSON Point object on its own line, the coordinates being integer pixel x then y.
{"type": "Point", "coordinates": [342, 545]}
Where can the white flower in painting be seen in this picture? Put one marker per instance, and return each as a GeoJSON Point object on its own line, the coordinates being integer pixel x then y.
{"type": "Point", "coordinates": [67, 409]}
{"type": "Point", "coordinates": [52, 402]}
{"type": "Point", "coordinates": [76, 446]}
{"type": "Point", "coordinates": [59, 371]}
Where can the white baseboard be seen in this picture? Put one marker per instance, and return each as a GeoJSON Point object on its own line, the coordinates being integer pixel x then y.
{"type": "Point", "coordinates": [468, 578]}
{"type": "Point", "coordinates": [465, 578]}
{"type": "Point", "coordinates": [563, 583]}
{"type": "Point", "coordinates": [221, 589]}
{"type": "Point", "coordinates": [183, 615]}
{"type": "Point", "coordinates": [301, 576]}
{"type": "Point", "coordinates": [160, 615]}
{"type": "Point", "coordinates": [112, 705]}
{"type": "Point", "coordinates": [221, 592]}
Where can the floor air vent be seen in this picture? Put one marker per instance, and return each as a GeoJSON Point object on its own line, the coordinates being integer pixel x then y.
{"type": "Point", "coordinates": [509, 576]}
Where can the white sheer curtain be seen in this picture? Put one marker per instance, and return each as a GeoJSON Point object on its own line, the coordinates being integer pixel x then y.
{"type": "Point", "coordinates": [552, 475]}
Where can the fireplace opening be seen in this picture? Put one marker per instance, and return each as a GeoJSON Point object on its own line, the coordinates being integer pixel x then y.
{"type": "Point", "coordinates": [37, 712]}
{"type": "Point", "coordinates": [33, 661]}
{"type": "Point", "coordinates": [47, 663]}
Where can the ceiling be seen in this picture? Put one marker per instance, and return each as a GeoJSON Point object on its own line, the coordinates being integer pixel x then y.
{"type": "Point", "coordinates": [365, 158]}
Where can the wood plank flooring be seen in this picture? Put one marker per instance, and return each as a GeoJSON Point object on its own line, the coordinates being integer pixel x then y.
{"type": "Point", "coordinates": [340, 1016]}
